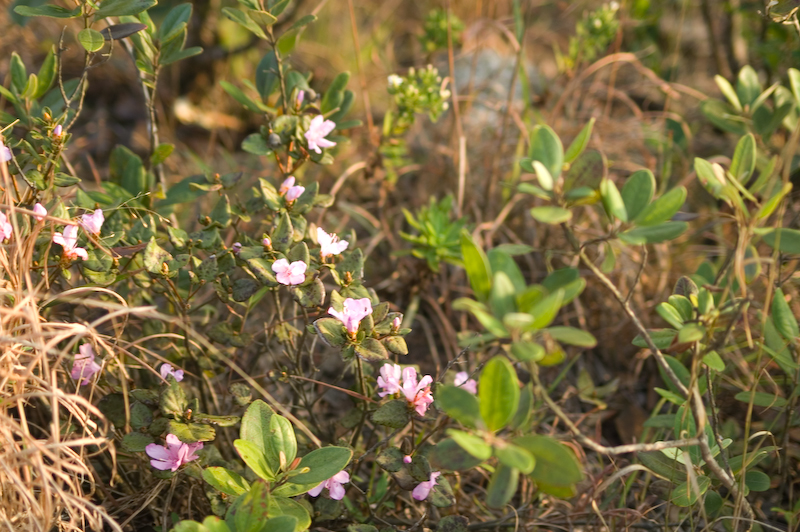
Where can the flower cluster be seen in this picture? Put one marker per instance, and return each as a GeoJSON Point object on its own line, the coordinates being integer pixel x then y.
{"type": "Point", "coordinates": [394, 380]}
{"type": "Point", "coordinates": [174, 455]}
{"type": "Point", "coordinates": [68, 240]}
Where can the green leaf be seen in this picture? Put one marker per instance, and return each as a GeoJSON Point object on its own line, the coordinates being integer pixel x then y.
{"type": "Point", "coordinates": [654, 234]}
{"type": "Point", "coordinates": [544, 311]}
{"type": "Point", "coordinates": [612, 200]}
{"type": "Point", "coordinates": [515, 456]}
{"type": "Point", "coordinates": [762, 399]}
{"type": "Point", "coordinates": [19, 76]}
{"type": "Point", "coordinates": [267, 75]}
{"type": "Point", "coordinates": [283, 523]}
{"type": "Point", "coordinates": [256, 425]}
{"type": "Point", "coordinates": [255, 144]}
{"type": "Point", "coordinates": [711, 176]}
{"type": "Point", "coordinates": [119, 8]}
{"type": "Point", "coordinates": [255, 459]}
{"type": "Point", "coordinates": [91, 40]}
{"type": "Point", "coordinates": [393, 414]}
{"type": "Point", "coordinates": [556, 465]}
{"type": "Point", "coordinates": [47, 10]}
{"type": "Point", "coordinates": [331, 331]}
{"type": "Point", "coordinates": [691, 332]}
{"type": "Point", "coordinates": [173, 402]}
{"type": "Point", "coordinates": [572, 336]}
{"type": "Point", "coordinates": [135, 442]}
{"type": "Point", "coordinates": [501, 260]}
{"type": "Point", "coordinates": [546, 147]}
{"type": "Point", "coordinates": [161, 153]}
{"type": "Point", "coordinates": [282, 445]}
{"type": "Point", "coordinates": [744, 159]}
{"type": "Point", "coordinates": [447, 454]}
{"type": "Point", "coordinates": [637, 192]}
{"type": "Point", "coordinates": [303, 22]}
{"type": "Point", "coordinates": [502, 486]}
{"type": "Point", "coordinates": [728, 91]}
{"type": "Point", "coordinates": [787, 240]}
{"type": "Point", "coordinates": [477, 265]}
{"type": "Point", "coordinates": [262, 270]}
{"type": "Point", "coordinates": [747, 86]}
{"type": "Point", "coordinates": [757, 481]}
{"type": "Point", "coordinates": [192, 432]}
{"type": "Point", "coordinates": [240, 96]}
{"type": "Point", "coordinates": [175, 22]}
{"type": "Point", "coordinates": [543, 175]}
{"type": "Point", "coordinates": [663, 208]}
{"type": "Point", "coordinates": [240, 18]}
{"type": "Point", "coordinates": [226, 481]}
{"type": "Point", "coordinates": [322, 464]}
{"type": "Point", "coordinates": [783, 317]}
{"type": "Point", "coordinates": [474, 445]}
{"type": "Point", "coordinates": [459, 404]}
{"type": "Point", "coordinates": [498, 393]}
{"type": "Point", "coordinates": [46, 75]}
{"type": "Point", "coordinates": [249, 512]}
{"type": "Point", "coordinates": [527, 351]}
{"type": "Point", "coordinates": [714, 361]}
{"type": "Point", "coordinates": [686, 495]}
{"type": "Point", "coordinates": [580, 142]}
{"type": "Point", "coordinates": [502, 298]}
{"type": "Point", "coordinates": [550, 214]}
{"type": "Point", "coordinates": [371, 349]}
{"type": "Point", "coordinates": [670, 314]}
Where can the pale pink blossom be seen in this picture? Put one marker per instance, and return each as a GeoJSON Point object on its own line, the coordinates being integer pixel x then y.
{"type": "Point", "coordinates": [317, 131]}
{"type": "Point", "coordinates": [422, 490]}
{"type": "Point", "coordinates": [68, 241]}
{"type": "Point", "coordinates": [167, 369]}
{"type": "Point", "coordinates": [330, 243]}
{"type": "Point", "coordinates": [407, 459]}
{"type": "Point", "coordinates": [334, 485]}
{"type": "Point", "coordinates": [389, 379]}
{"type": "Point", "coordinates": [462, 379]}
{"type": "Point", "coordinates": [353, 311]}
{"type": "Point", "coordinates": [294, 193]}
{"type": "Point", "coordinates": [174, 455]}
{"type": "Point", "coordinates": [5, 153]}
{"type": "Point", "coordinates": [418, 394]}
{"type": "Point", "coordinates": [5, 228]}
{"type": "Point", "coordinates": [286, 185]}
{"type": "Point", "coordinates": [290, 274]}
{"type": "Point", "coordinates": [92, 223]}
{"type": "Point", "coordinates": [84, 367]}
{"type": "Point", "coordinates": [39, 212]}
{"type": "Point", "coordinates": [289, 190]}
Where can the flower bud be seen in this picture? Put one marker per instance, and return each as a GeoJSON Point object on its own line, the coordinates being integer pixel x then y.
{"type": "Point", "coordinates": [407, 459]}
{"type": "Point", "coordinates": [274, 140]}
{"type": "Point", "coordinates": [266, 242]}
{"type": "Point", "coordinates": [236, 247]}
{"type": "Point", "coordinates": [57, 131]}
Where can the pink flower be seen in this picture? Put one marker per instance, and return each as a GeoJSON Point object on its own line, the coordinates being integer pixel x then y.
{"type": "Point", "coordinates": [294, 193]}
{"type": "Point", "coordinates": [39, 211]}
{"type": "Point", "coordinates": [289, 190]}
{"type": "Point", "coordinates": [422, 490]}
{"type": "Point", "coordinates": [418, 394]}
{"type": "Point", "coordinates": [462, 379]}
{"type": "Point", "coordinates": [174, 455]}
{"type": "Point", "coordinates": [5, 228]}
{"type": "Point", "coordinates": [57, 131]}
{"type": "Point", "coordinates": [334, 485]}
{"type": "Point", "coordinates": [353, 311]}
{"type": "Point", "coordinates": [317, 131]}
{"type": "Point", "coordinates": [5, 153]}
{"type": "Point", "coordinates": [389, 379]}
{"type": "Point", "coordinates": [68, 241]}
{"type": "Point", "coordinates": [407, 459]}
{"type": "Point", "coordinates": [167, 369]}
{"type": "Point", "coordinates": [290, 274]}
{"type": "Point", "coordinates": [396, 322]}
{"type": "Point", "coordinates": [330, 243]}
{"type": "Point", "coordinates": [92, 223]}
{"type": "Point", "coordinates": [84, 367]}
